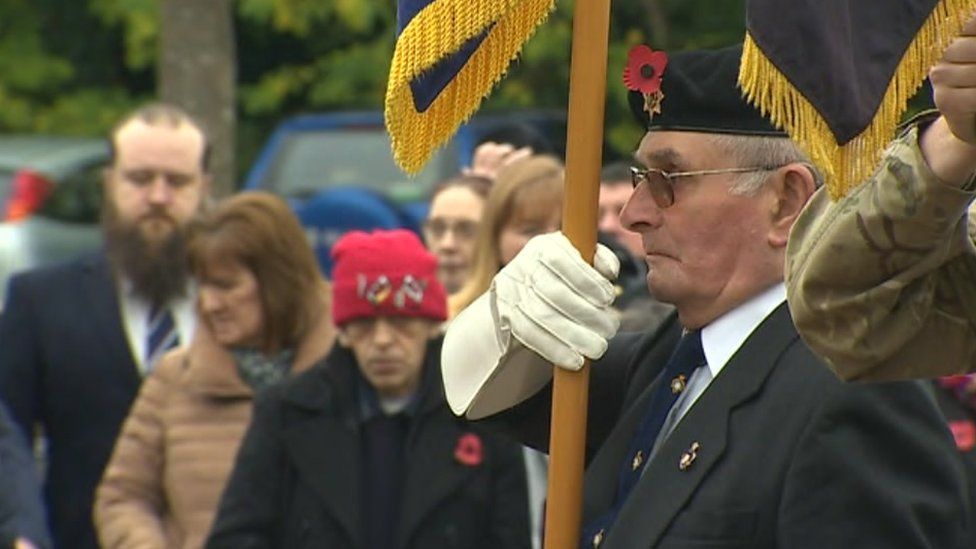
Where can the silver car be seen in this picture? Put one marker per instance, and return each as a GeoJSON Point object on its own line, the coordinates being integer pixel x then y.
{"type": "Point", "coordinates": [50, 200]}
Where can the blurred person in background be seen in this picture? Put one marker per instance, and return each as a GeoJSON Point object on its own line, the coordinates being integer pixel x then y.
{"type": "Point", "coordinates": [456, 204]}
{"type": "Point", "coordinates": [639, 311]}
{"type": "Point", "coordinates": [489, 157]}
{"type": "Point", "coordinates": [22, 521]}
{"type": "Point", "coordinates": [361, 451]}
{"type": "Point", "coordinates": [264, 314]}
{"type": "Point", "coordinates": [452, 224]}
{"type": "Point", "coordinates": [506, 144]}
{"type": "Point", "coordinates": [77, 338]}
{"type": "Point", "coordinates": [525, 200]}
{"type": "Point", "coordinates": [615, 188]}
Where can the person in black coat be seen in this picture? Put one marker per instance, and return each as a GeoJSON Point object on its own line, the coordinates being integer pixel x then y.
{"type": "Point", "coordinates": [361, 451]}
{"type": "Point", "coordinates": [22, 517]}
{"type": "Point", "coordinates": [721, 429]}
{"type": "Point", "coordinates": [76, 338]}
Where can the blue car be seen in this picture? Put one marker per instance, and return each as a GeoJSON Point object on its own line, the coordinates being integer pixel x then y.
{"type": "Point", "coordinates": [337, 170]}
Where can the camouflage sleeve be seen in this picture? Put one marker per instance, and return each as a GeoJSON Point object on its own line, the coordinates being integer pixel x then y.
{"type": "Point", "coordinates": [882, 283]}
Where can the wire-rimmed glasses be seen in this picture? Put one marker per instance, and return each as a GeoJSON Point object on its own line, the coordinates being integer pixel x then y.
{"type": "Point", "coordinates": [661, 183]}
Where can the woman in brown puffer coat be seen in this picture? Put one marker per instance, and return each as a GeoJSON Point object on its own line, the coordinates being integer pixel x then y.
{"type": "Point", "coordinates": [263, 314]}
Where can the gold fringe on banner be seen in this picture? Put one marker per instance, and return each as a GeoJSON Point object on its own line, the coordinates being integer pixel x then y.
{"type": "Point", "coordinates": [436, 32]}
{"type": "Point", "coordinates": [847, 165]}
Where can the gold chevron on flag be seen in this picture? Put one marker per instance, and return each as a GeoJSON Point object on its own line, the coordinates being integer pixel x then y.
{"type": "Point", "coordinates": [837, 74]}
{"type": "Point", "coordinates": [449, 55]}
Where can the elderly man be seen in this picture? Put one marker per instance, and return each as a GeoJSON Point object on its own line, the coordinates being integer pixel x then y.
{"type": "Point", "coordinates": [882, 283]}
{"type": "Point", "coordinates": [361, 451]}
{"type": "Point", "coordinates": [721, 428]}
{"type": "Point", "coordinates": [75, 339]}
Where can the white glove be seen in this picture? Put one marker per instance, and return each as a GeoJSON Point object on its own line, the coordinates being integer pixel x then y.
{"type": "Point", "coordinates": [556, 304]}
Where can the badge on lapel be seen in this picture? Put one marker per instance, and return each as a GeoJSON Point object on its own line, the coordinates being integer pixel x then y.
{"type": "Point", "coordinates": [469, 450]}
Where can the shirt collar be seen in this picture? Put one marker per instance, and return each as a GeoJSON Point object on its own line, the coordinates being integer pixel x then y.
{"type": "Point", "coordinates": [723, 337]}
{"type": "Point", "coordinates": [369, 401]}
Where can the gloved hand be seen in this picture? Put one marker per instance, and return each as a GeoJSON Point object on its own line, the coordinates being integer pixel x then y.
{"type": "Point", "coordinates": [556, 304]}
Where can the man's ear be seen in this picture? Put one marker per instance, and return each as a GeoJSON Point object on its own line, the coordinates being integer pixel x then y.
{"type": "Point", "coordinates": [792, 187]}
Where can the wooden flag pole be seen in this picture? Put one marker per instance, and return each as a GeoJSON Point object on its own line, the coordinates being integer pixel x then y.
{"type": "Point", "coordinates": [584, 150]}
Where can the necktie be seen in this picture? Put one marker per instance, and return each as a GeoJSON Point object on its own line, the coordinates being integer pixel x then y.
{"type": "Point", "coordinates": [161, 335]}
{"type": "Point", "coordinates": [685, 359]}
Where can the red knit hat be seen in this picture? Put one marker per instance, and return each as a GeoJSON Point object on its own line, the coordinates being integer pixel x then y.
{"type": "Point", "coordinates": [385, 273]}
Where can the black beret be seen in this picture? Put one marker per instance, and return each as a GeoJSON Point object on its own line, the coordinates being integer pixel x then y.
{"type": "Point", "coordinates": [701, 94]}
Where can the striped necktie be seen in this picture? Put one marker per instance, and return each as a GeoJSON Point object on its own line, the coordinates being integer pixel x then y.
{"type": "Point", "coordinates": [161, 335]}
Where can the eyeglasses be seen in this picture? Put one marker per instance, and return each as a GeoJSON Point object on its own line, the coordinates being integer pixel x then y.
{"type": "Point", "coordinates": [437, 229]}
{"type": "Point", "coordinates": [661, 183]}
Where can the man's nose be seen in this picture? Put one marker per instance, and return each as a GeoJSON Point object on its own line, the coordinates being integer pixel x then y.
{"type": "Point", "coordinates": [382, 332]}
{"type": "Point", "coordinates": [160, 191]}
{"type": "Point", "coordinates": [640, 210]}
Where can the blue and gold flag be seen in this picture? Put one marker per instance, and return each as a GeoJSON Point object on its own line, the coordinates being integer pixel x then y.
{"type": "Point", "coordinates": [837, 74]}
{"type": "Point", "coordinates": [449, 55]}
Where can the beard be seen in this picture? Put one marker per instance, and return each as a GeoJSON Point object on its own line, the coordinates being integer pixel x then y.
{"type": "Point", "coordinates": [155, 265]}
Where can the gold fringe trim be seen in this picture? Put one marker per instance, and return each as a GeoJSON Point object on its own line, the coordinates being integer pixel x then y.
{"type": "Point", "coordinates": [438, 30]}
{"type": "Point", "coordinates": [846, 166]}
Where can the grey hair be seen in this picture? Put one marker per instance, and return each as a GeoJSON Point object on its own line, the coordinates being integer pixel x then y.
{"type": "Point", "coordinates": [762, 151]}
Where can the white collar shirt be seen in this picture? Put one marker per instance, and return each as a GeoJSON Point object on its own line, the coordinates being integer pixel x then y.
{"type": "Point", "coordinates": [135, 319]}
{"type": "Point", "coordinates": [720, 341]}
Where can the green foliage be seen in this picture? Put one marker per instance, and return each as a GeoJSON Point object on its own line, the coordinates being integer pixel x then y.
{"type": "Point", "coordinates": [73, 66]}
{"type": "Point", "coordinates": [56, 75]}
{"type": "Point", "coordinates": [140, 21]}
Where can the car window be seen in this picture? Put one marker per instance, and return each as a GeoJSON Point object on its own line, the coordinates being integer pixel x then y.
{"type": "Point", "coordinates": [78, 198]}
{"type": "Point", "coordinates": [6, 183]}
{"type": "Point", "coordinates": [311, 161]}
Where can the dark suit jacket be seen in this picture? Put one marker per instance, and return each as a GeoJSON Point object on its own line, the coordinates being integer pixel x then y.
{"type": "Point", "coordinates": [65, 364]}
{"type": "Point", "coordinates": [296, 482]}
{"type": "Point", "coordinates": [21, 511]}
{"type": "Point", "coordinates": [788, 456]}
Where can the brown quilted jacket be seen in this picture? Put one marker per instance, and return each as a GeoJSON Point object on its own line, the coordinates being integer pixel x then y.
{"type": "Point", "coordinates": [177, 446]}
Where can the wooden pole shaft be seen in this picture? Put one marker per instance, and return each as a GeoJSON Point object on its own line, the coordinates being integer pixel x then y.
{"type": "Point", "coordinates": [584, 149]}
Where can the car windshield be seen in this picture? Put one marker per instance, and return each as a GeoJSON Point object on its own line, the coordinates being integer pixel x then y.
{"type": "Point", "coordinates": [311, 161]}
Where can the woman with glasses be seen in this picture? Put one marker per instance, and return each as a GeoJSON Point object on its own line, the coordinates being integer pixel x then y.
{"type": "Point", "coordinates": [451, 226]}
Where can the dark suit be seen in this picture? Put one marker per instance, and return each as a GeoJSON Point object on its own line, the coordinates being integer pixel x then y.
{"type": "Point", "coordinates": [21, 512]}
{"type": "Point", "coordinates": [788, 456]}
{"type": "Point", "coordinates": [65, 363]}
{"type": "Point", "coordinates": [298, 477]}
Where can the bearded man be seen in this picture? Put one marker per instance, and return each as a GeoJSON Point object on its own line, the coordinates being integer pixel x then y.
{"type": "Point", "coordinates": [77, 338]}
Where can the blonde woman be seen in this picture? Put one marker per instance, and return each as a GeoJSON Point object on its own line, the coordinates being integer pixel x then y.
{"type": "Point", "coordinates": [525, 201]}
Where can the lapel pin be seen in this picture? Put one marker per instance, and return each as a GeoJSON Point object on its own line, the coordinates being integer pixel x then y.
{"type": "Point", "coordinates": [638, 460]}
{"type": "Point", "coordinates": [689, 456]}
{"type": "Point", "coordinates": [678, 384]}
